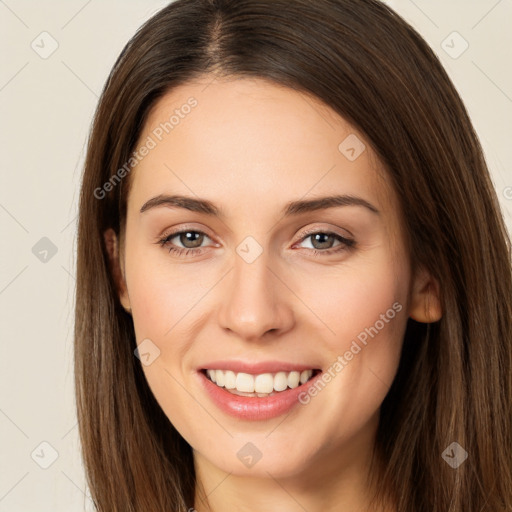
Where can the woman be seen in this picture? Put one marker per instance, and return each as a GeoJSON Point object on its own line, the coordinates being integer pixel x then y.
{"type": "Point", "coordinates": [294, 282]}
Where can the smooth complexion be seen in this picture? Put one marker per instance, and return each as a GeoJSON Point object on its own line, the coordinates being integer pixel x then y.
{"type": "Point", "coordinates": [250, 147]}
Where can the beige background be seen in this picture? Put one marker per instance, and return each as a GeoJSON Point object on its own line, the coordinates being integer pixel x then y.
{"type": "Point", "coordinates": [46, 106]}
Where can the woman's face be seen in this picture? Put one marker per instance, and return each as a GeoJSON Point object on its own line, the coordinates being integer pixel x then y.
{"type": "Point", "coordinates": [274, 281]}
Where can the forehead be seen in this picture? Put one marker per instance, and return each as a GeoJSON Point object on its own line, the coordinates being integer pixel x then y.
{"type": "Point", "coordinates": [255, 142]}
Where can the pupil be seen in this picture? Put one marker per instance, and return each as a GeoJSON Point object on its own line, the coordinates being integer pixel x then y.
{"type": "Point", "coordinates": [323, 244]}
{"type": "Point", "coordinates": [194, 235]}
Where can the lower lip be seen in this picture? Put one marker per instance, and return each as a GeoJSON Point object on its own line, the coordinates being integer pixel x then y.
{"type": "Point", "coordinates": [255, 408]}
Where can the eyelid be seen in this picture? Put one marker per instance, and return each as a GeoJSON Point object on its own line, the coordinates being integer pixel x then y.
{"type": "Point", "coordinates": [321, 229]}
{"type": "Point", "coordinates": [183, 228]}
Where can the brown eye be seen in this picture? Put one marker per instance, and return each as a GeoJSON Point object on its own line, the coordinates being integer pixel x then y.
{"type": "Point", "coordinates": [190, 239]}
{"type": "Point", "coordinates": [322, 240]}
{"type": "Point", "coordinates": [187, 240]}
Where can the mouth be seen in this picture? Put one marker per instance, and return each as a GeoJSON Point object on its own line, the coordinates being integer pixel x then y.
{"type": "Point", "coordinates": [260, 385]}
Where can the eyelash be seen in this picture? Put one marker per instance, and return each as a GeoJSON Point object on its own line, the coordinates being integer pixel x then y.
{"type": "Point", "coordinates": [347, 244]}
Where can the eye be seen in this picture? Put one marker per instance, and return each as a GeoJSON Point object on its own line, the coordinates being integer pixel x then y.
{"type": "Point", "coordinates": [323, 242]}
{"type": "Point", "coordinates": [191, 239]}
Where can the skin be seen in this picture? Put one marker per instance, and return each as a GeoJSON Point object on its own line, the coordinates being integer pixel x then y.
{"type": "Point", "coordinates": [250, 147]}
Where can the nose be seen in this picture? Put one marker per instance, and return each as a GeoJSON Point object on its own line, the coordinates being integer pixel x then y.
{"type": "Point", "coordinates": [255, 301]}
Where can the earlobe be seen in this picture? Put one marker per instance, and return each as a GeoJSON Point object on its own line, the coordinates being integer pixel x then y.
{"type": "Point", "coordinates": [112, 245]}
{"type": "Point", "coordinates": [425, 305]}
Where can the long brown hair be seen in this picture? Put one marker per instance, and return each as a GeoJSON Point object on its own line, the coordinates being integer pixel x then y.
{"type": "Point", "coordinates": [454, 382]}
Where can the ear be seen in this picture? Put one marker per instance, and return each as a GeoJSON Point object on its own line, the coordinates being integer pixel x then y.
{"type": "Point", "coordinates": [425, 304]}
{"type": "Point", "coordinates": [112, 245]}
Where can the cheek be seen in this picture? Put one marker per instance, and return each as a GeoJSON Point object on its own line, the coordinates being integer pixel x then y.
{"type": "Point", "coordinates": [162, 300]}
{"type": "Point", "coordinates": [352, 297]}
{"type": "Point", "coordinates": [161, 293]}
{"type": "Point", "coordinates": [362, 307]}
{"type": "Point", "coordinates": [363, 318]}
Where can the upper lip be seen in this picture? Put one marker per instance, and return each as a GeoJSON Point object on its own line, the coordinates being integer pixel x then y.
{"type": "Point", "coordinates": [256, 368]}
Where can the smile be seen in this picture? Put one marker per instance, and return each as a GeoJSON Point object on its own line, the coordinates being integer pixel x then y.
{"type": "Point", "coordinates": [261, 385]}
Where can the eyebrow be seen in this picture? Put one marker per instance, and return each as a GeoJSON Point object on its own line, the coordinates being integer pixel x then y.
{"type": "Point", "coordinates": [292, 208]}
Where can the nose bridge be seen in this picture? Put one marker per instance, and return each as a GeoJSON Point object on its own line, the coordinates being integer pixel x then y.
{"type": "Point", "coordinates": [252, 301]}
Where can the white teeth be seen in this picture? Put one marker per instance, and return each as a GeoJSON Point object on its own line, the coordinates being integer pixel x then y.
{"type": "Point", "coordinates": [293, 379]}
{"type": "Point", "coordinates": [280, 381]}
{"type": "Point", "coordinates": [264, 384]}
{"type": "Point", "coordinates": [230, 379]}
{"type": "Point", "coordinates": [244, 382]}
{"type": "Point", "coordinates": [305, 376]}
{"type": "Point", "coordinates": [219, 378]}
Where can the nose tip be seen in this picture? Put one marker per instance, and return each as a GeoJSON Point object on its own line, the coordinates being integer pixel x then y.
{"type": "Point", "coordinates": [253, 301]}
